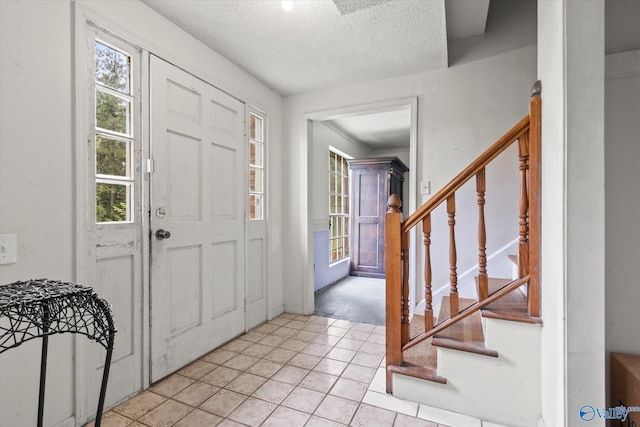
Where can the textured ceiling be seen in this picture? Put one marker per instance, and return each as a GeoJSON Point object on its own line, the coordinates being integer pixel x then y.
{"type": "Point", "coordinates": [320, 43]}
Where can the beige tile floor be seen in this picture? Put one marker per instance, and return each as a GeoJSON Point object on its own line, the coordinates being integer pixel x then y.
{"type": "Point", "coordinates": [292, 371]}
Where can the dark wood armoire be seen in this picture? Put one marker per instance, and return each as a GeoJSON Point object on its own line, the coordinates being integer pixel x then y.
{"type": "Point", "coordinates": [372, 182]}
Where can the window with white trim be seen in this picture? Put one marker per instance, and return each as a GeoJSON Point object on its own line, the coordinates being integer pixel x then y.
{"type": "Point", "coordinates": [256, 165]}
{"type": "Point", "coordinates": [113, 132]}
{"type": "Point", "coordinates": [338, 207]}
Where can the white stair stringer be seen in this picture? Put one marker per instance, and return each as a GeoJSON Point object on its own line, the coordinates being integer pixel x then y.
{"type": "Point", "coordinates": [503, 389]}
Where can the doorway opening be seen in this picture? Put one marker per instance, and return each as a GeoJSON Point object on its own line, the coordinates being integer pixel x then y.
{"type": "Point", "coordinates": [386, 129]}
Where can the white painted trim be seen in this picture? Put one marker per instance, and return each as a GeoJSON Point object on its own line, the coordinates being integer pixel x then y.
{"type": "Point", "coordinates": [82, 234]}
{"type": "Point", "coordinates": [145, 130]}
{"type": "Point", "coordinates": [413, 193]}
{"type": "Point", "coordinates": [68, 422]}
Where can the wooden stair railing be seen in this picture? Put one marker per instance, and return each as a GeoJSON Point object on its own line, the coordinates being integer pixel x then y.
{"type": "Point", "coordinates": [527, 133]}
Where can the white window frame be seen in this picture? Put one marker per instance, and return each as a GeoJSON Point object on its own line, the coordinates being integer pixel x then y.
{"type": "Point", "coordinates": [132, 134]}
{"type": "Point", "coordinates": [261, 168]}
{"type": "Point", "coordinates": [343, 217]}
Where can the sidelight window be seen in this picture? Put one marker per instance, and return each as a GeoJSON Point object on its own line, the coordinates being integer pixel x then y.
{"type": "Point", "coordinates": [256, 166]}
{"type": "Point", "coordinates": [113, 133]}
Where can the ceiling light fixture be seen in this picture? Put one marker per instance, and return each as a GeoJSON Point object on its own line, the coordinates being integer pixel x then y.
{"type": "Point", "coordinates": [287, 5]}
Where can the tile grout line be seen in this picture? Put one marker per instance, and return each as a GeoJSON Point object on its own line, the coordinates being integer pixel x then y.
{"type": "Point", "coordinates": [312, 328]}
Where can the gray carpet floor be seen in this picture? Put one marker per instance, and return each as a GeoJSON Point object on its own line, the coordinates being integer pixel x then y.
{"type": "Point", "coordinates": [358, 299]}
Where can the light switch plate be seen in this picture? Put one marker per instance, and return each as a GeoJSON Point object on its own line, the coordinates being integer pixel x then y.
{"type": "Point", "coordinates": [425, 187]}
{"type": "Point", "coordinates": [8, 248]}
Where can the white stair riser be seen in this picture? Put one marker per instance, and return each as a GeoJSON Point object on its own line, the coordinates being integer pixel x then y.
{"type": "Point", "coordinates": [504, 390]}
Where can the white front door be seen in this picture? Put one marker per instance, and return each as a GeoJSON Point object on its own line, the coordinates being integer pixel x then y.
{"type": "Point", "coordinates": [198, 194]}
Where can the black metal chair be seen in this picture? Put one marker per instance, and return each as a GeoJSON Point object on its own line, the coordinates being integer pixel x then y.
{"type": "Point", "coordinates": [43, 307]}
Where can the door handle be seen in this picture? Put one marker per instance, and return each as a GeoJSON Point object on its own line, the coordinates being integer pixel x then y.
{"type": "Point", "coordinates": [162, 234]}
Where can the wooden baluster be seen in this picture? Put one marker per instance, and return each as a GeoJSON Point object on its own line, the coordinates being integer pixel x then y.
{"type": "Point", "coordinates": [453, 258]}
{"type": "Point", "coordinates": [483, 279]}
{"type": "Point", "coordinates": [535, 212]}
{"type": "Point", "coordinates": [393, 268]}
{"type": "Point", "coordinates": [404, 332]}
{"type": "Point", "coordinates": [428, 297]}
{"type": "Point", "coordinates": [523, 246]}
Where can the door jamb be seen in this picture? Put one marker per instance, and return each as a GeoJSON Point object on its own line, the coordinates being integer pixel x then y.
{"type": "Point", "coordinates": [356, 110]}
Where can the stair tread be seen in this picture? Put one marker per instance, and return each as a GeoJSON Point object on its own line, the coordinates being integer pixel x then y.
{"type": "Point", "coordinates": [416, 371]}
{"type": "Point", "coordinates": [512, 306]}
{"type": "Point", "coordinates": [421, 360]}
{"type": "Point", "coordinates": [466, 335]}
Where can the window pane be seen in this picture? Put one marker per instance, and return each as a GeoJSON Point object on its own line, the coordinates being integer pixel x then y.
{"type": "Point", "coordinates": [255, 180]}
{"type": "Point", "coordinates": [112, 202]}
{"type": "Point", "coordinates": [112, 157]}
{"type": "Point", "coordinates": [255, 128]}
{"type": "Point", "coordinates": [255, 154]}
{"type": "Point", "coordinates": [338, 207]}
{"type": "Point", "coordinates": [112, 113]}
{"type": "Point", "coordinates": [255, 206]}
{"type": "Point", "coordinates": [112, 68]}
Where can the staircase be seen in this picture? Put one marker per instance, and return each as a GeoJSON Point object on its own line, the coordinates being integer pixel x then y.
{"type": "Point", "coordinates": [479, 357]}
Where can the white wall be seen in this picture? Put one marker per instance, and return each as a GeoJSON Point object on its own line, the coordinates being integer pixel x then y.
{"type": "Point", "coordinates": [37, 165]}
{"type": "Point", "coordinates": [571, 68]}
{"type": "Point", "coordinates": [36, 189]}
{"type": "Point", "coordinates": [622, 204]}
{"type": "Point", "coordinates": [461, 111]}
{"type": "Point", "coordinates": [584, 201]}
